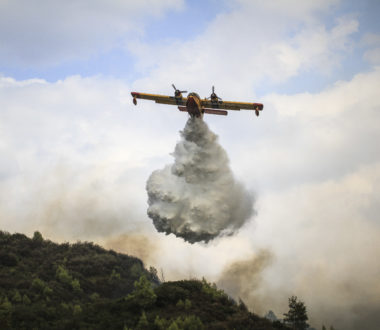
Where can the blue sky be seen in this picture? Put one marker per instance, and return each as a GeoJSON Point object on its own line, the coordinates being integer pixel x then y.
{"type": "Point", "coordinates": [76, 153]}
{"type": "Point", "coordinates": [182, 22]}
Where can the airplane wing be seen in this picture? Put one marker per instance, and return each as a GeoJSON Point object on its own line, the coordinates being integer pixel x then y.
{"type": "Point", "coordinates": [163, 99]}
{"type": "Point", "coordinates": [230, 105]}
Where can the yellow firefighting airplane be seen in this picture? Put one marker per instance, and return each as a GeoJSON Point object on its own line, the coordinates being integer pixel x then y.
{"type": "Point", "coordinates": [196, 106]}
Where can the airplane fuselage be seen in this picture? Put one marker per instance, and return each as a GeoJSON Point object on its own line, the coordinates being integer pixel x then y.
{"type": "Point", "coordinates": [193, 105]}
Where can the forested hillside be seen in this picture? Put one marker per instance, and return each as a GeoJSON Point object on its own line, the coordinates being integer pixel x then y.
{"type": "Point", "coordinates": [44, 285]}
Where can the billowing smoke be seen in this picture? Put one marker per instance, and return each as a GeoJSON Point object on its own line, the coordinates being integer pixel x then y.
{"type": "Point", "coordinates": [243, 278]}
{"type": "Point", "coordinates": [197, 197]}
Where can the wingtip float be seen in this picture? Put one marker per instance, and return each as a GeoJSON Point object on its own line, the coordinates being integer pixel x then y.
{"type": "Point", "coordinates": [196, 106]}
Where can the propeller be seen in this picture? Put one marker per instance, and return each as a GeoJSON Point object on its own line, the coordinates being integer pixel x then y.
{"type": "Point", "coordinates": [213, 95]}
{"type": "Point", "coordinates": [177, 92]}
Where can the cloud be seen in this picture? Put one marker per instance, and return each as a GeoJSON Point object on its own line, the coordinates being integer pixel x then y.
{"type": "Point", "coordinates": [309, 137]}
{"type": "Point", "coordinates": [46, 33]}
{"type": "Point", "coordinates": [243, 49]}
{"type": "Point", "coordinates": [324, 236]}
{"type": "Point", "coordinates": [315, 48]}
{"type": "Point", "coordinates": [75, 162]}
{"type": "Point", "coordinates": [317, 177]}
{"type": "Point", "coordinates": [373, 56]}
{"type": "Point", "coordinates": [291, 8]}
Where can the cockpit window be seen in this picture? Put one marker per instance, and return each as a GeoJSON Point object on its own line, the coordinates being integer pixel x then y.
{"type": "Point", "coordinates": [194, 94]}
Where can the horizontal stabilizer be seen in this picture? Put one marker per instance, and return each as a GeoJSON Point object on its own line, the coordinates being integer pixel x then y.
{"type": "Point", "coordinates": [182, 109]}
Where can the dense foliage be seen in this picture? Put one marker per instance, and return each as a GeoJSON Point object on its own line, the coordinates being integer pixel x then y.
{"type": "Point", "coordinates": [44, 285]}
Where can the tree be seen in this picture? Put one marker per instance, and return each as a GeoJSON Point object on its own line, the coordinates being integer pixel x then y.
{"type": "Point", "coordinates": [191, 322]}
{"type": "Point", "coordinates": [143, 295]}
{"type": "Point", "coordinates": [187, 304]}
{"type": "Point", "coordinates": [63, 275]}
{"type": "Point", "coordinates": [160, 323]}
{"type": "Point", "coordinates": [76, 285]}
{"type": "Point", "coordinates": [296, 317]}
{"type": "Point", "coordinates": [38, 285]}
{"type": "Point", "coordinates": [37, 237]}
{"type": "Point", "coordinates": [180, 304]}
{"type": "Point", "coordinates": [26, 300]}
{"type": "Point", "coordinates": [5, 313]}
{"type": "Point", "coordinates": [77, 310]}
{"type": "Point", "coordinates": [153, 275]}
{"type": "Point", "coordinates": [173, 326]}
{"type": "Point", "coordinates": [16, 297]}
{"type": "Point", "coordinates": [143, 322]}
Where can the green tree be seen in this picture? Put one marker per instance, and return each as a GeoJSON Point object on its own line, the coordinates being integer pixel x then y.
{"type": "Point", "coordinates": [296, 317]}
{"type": "Point", "coordinates": [47, 291]}
{"type": "Point", "coordinates": [37, 237]}
{"type": "Point", "coordinates": [6, 304]}
{"type": "Point", "coordinates": [143, 295]}
{"type": "Point", "coordinates": [76, 285]}
{"type": "Point", "coordinates": [323, 327]}
{"type": "Point", "coordinates": [173, 326]}
{"type": "Point", "coordinates": [63, 275]}
{"type": "Point", "coordinates": [180, 304]}
{"type": "Point", "coordinates": [38, 285]}
{"type": "Point", "coordinates": [192, 322]}
{"type": "Point", "coordinates": [187, 304]}
{"type": "Point", "coordinates": [16, 297]}
{"type": "Point", "coordinates": [160, 323]}
{"type": "Point", "coordinates": [143, 322]}
{"type": "Point", "coordinates": [77, 310]}
{"type": "Point", "coordinates": [136, 270]}
{"type": "Point", "coordinates": [153, 274]}
{"type": "Point", "coordinates": [115, 275]}
{"type": "Point", "coordinates": [94, 296]}
{"type": "Point", "coordinates": [5, 313]}
{"type": "Point", "coordinates": [26, 300]}
{"type": "Point", "coordinates": [212, 290]}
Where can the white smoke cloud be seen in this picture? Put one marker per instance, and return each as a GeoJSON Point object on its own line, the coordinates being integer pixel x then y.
{"type": "Point", "coordinates": [197, 198]}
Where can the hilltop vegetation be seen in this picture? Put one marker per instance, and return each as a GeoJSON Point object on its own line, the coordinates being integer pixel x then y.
{"type": "Point", "coordinates": [44, 285]}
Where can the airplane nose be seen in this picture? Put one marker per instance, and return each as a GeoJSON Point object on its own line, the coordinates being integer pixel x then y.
{"type": "Point", "coordinates": [190, 101]}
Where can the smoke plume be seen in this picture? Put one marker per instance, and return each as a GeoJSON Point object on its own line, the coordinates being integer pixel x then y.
{"type": "Point", "coordinates": [143, 246]}
{"type": "Point", "coordinates": [197, 197]}
{"type": "Point", "coordinates": [242, 279]}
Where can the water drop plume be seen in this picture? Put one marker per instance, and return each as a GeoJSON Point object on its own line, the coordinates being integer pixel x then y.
{"type": "Point", "coordinates": [197, 197]}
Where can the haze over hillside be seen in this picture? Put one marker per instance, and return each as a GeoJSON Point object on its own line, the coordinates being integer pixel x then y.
{"type": "Point", "coordinates": [46, 285]}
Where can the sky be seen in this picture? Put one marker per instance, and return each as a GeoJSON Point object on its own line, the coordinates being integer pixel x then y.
{"type": "Point", "coordinates": [76, 153]}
